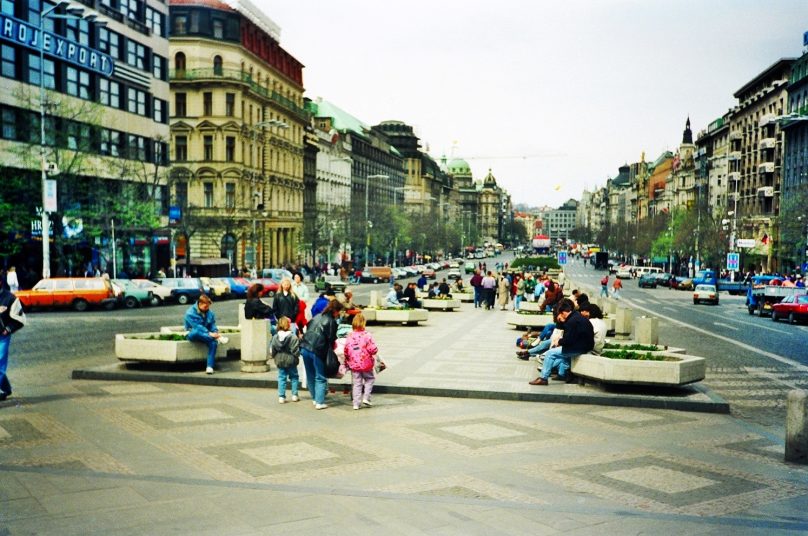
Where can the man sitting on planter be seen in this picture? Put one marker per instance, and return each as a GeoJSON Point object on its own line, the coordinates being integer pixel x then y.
{"type": "Point", "coordinates": [410, 297]}
{"type": "Point", "coordinates": [200, 322]}
{"type": "Point", "coordinates": [578, 338]}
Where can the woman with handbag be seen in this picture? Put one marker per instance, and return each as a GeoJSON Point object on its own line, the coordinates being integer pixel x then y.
{"type": "Point", "coordinates": [321, 334]}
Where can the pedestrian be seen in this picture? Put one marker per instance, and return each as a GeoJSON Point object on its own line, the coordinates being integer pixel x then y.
{"type": "Point", "coordinates": [476, 282]}
{"type": "Point", "coordinates": [360, 355]}
{"type": "Point", "coordinates": [504, 290]}
{"type": "Point", "coordinates": [12, 319]}
{"type": "Point", "coordinates": [616, 287]}
{"type": "Point", "coordinates": [285, 302]}
{"type": "Point", "coordinates": [11, 279]}
{"type": "Point", "coordinates": [299, 287]}
{"type": "Point", "coordinates": [604, 286]}
{"type": "Point", "coordinates": [200, 323]}
{"type": "Point", "coordinates": [520, 293]}
{"type": "Point", "coordinates": [489, 286]}
{"type": "Point", "coordinates": [578, 338]}
{"type": "Point", "coordinates": [285, 350]}
{"type": "Point", "coordinates": [321, 334]}
{"type": "Point", "coordinates": [255, 308]}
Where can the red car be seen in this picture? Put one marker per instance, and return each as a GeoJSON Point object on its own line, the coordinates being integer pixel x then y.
{"type": "Point", "coordinates": [792, 307]}
{"type": "Point", "coordinates": [270, 285]}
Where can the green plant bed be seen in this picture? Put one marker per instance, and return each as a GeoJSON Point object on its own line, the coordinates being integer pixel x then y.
{"type": "Point", "coordinates": [535, 263]}
{"type": "Point", "coordinates": [638, 347]}
{"type": "Point", "coordinates": [637, 356]}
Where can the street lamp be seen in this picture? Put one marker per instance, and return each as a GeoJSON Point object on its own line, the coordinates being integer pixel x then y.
{"type": "Point", "coordinates": [367, 217]}
{"type": "Point", "coordinates": [72, 13]}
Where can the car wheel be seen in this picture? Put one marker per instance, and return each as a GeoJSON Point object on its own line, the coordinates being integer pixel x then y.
{"type": "Point", "coordinates": [182, 299]}
{"type": "Point", "coordinates": [156, 300]}
{"type": "Point", "coordinates": [791, 318]}
{"type": "Point", "coordinates": [751, 310]}
{"type": "Point", "coordinates": [774, 316]}
{"type": "Point", "coordinates": [695, 302]}
{"type": "Point", "coordinates": [130, 302]}
{"type": "Point", "coordinates": [80, 305]}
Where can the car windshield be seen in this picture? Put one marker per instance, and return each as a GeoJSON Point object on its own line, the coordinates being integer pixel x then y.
{"type": "Point", "coordinates": [803, 299]}
{"type": "Point", "coordinates": [706, 288]}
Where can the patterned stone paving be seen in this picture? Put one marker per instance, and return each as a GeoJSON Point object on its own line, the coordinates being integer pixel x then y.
{"type": "Point", "coordinates": [638, 421]}
{"type": "Point", "coordinates": [462, 486]}
{"type": "Point", "coordinates": [32, 430]}
{"type": "Point", "coordinates": [665, 483]}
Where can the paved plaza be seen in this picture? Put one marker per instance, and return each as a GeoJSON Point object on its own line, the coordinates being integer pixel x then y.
{"type": "Point", "coordinates": [221, 457]}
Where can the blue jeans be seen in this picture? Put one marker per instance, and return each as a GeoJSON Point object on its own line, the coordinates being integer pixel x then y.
{"type": "Point", "coordinates": [604, 291]}
{"type": "Point", "coordinates": [5, 385]}
{"type": "Point", "coordinates": [517, 301]}
{"type": "Point", "coordinates": [477, 297]}
{"type": "Point", "coordinates": [540, 348]}
{"type": "Point", "coordinates": [316, 382]}
{"type": "Point", "coordinates": [291, 374]}
{"type": "Point", "coordinates": [555, 357]}
{"type": "Point", "coordinates": [210, 342]}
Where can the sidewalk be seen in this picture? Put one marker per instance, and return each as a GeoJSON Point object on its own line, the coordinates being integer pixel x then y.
{"type": "Point", "coordinates": [153, 457]}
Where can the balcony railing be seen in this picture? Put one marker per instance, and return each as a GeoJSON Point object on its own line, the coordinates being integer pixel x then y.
{"type": "Point", "coordinates": [734, 155]}
{"type": "Point", "coordinates": [734, 176]}
{"type": "Point", "coordinates": [735, 135]}
{"type": "Point", "coordinates": [766, 167]}
{"type": "Point", "coordinates": [768, 143]}
{"type": "Point", "coordinates": [766, 119]}
{"type": "Point", "coordinates": [240, 77]}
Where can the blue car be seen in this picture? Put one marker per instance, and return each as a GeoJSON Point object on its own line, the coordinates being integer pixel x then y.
{"type": "Point", "coordinates": [238, 286]}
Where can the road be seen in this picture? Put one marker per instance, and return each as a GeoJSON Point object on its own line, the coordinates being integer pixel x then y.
{"type": "Point", "coordinates": [752, 362]}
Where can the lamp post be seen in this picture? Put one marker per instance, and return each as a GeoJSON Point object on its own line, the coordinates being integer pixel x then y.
{"type": "Point", "coordinates": [73, 13]}
{"type": "Point", "coordinates": [368, 223]}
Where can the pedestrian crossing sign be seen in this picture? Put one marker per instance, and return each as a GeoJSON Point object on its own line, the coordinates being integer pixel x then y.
{"type": "Point", "coordinates": [562, 258]}
{"type": "Point", "coordinates": [733, 261]}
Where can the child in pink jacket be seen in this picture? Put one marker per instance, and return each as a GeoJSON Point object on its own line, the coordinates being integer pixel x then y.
{"type": "Point", "coordinates": [360, 351]}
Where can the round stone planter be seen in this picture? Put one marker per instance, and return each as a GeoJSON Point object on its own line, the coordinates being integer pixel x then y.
{"type": "Point", "coordinates": [441, 305]}
{"type": "Point", "coordinates": [528, 321]}
{"type": "Point", "coordinates": [677, 369]}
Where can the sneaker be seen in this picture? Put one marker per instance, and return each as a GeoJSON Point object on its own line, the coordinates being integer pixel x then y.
{"type": "Point", "coordinates": [367, 403]}
{"type": "Point", "coordinates": [209, 370]}
{"type": "Point", "coordinates": [320, 406]}
{"type": "Point", "coordinates": [223, 340]}
{"type": "Point", "coordinates": [295, 398]}
{"type": "Point", "coordinates": [281, 400]}
{"type": "Point", "coordinates": [356, 408]}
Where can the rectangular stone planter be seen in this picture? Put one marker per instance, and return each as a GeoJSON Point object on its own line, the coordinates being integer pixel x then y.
{"type": "Point", "coordinates": [441, 305]}
{"type": "Point", "coordinates": [679, 370]}
{"type": "Point", "coordinates": [408, 316]}
{"type": "Point", "coordinates": [465, 297]}
{"type": "Point", "coordinates": [528, 321]}
{"type": "Point", "coordinates": [532, 307]}
{"type": "Point", "coordinates": [139, 347]}
{"type": "Point", "coordinates": [664, 349]}
{"type": "Point", "coordinates": [233, 333]}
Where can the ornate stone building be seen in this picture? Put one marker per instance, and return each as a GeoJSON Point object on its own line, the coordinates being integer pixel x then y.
{"type": "Point", "coordinates": [237, 127]}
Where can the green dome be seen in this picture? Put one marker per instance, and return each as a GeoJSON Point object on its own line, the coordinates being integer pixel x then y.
{"type": "Point", "coordinates": [458, 166]}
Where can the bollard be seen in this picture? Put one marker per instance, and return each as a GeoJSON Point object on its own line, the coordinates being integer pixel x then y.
{"type": "Point", "coordinates": [374, 299]}
{"type": "Point", "coordinates": [611, 306]}
{"type": "Point", "coordinates": [623, 323]}
{"type": "Point", "coordinates": [797, 427]}
{"type": "Point", "coordinates": [647, 330]}
{"type": "Point", "coordinates": [254, 343]}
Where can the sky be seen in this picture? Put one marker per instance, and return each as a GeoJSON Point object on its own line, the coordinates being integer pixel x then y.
{"type": "Point", "coordinates": [552, 97]}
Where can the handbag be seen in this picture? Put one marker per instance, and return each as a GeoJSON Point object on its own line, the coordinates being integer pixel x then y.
{"type": "Point", "coordinates": [378, 364]}
{"type": "Point", "coordinates": [332, 365]}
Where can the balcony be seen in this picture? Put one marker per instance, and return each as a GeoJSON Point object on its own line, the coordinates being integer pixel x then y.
{"type": "Point", "coordinates": [734, 156]}
{"type": "Point", "coordinates": [766, 167]}
{"type": "Point", "coordinates": [768, 143]}
{"type": "Point", "coordinates": [766, 191]}
{"type": "Point", "coordinates": [734, 176]}
{"type": "Point", "coordinates": [766, 120]}
{"type": "Point", "coordinates": [737, 135]}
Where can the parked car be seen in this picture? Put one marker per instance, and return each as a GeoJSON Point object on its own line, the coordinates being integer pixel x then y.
{"type": "Point", "coordinates": [454, 274]}
{"type": "Point", "coordinates": [332, 282]}
{"type": "Point", "coordinates": [184, 289]}
{"type": "Point", "coordinates": [375, 274]}
{"type": "Point", "coordinates": [469, 267]}
{"type": "Point", "coordinates": [400, 273]}
{"type": "Point", "coordinates": [429, 273]}
{"type": "Point", "coordinates": [239, 286]}
{"type": "Point", "coordinates": [682, 283]}
{"type": "Point", "coordinates": [624, 272]}
{"type": "Point", "coordinates": [705, 293]}
{"type": "Point", "coordinates": [160, 293]}
{"type": "Point", "coordinates": [270, 286]}
{"type": "Point", "coordinates": [278, 274]}
{"type": "Point", "coordinates": [217, 287]}
{"type": "Point", "coordinates": [791, 307]}
{"type": "Point", "coordinates": [647, 281]}
{"type": "Point", "coordinates": [76, 292]}
{"type": "Point", "coordinates": [131, 294]}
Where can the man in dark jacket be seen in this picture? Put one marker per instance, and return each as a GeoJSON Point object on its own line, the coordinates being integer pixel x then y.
{"type": "Point", "coordinates": [410, 296]}
{"type": "Point", "coordinates": [578, 338]}
{"type": "Point", "coordinates": [319, 338]}
{"type": "Point", "coordinates": [477, 282]}
{"type": "Point", "coordinates": [12, 318]}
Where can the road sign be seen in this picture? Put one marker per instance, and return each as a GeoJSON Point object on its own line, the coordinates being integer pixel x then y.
{"type": "Point", "coordinates": [745, 242]}
{"type": "Point", "coordinates": [733, 261]}
{"type": "Point", "coordinates": [562, 258]}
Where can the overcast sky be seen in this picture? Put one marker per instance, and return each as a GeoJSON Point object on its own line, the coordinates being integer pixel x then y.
{"type": "Point", "coordinates": [551, 96]}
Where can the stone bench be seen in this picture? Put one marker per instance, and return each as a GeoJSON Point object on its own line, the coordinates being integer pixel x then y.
{"type": "Point", "coordinates": [519, 321]}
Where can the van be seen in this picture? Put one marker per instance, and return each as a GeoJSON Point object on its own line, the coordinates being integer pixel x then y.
{"type": "Point", "coordinates": [642, 270]}
{"type": "Point", "coordinates": [76, 292]}
{"type": "Point", "coordinates": [375, 274]}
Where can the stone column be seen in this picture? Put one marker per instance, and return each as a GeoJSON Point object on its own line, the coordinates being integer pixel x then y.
{"type": "Point", "coordinates": [254, 343]}
{"type": "Point", "coordinates": [273, 257]}
{"type": "Point", "coordinates": [797, 427]}
{"type": "Point", "coordinates": [624, 320]}
{"type": "Point", "coordinates": [647, 330]}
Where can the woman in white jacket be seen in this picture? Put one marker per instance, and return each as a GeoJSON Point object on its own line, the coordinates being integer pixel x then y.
{"type": "Point", "coordinates": [595, 316]}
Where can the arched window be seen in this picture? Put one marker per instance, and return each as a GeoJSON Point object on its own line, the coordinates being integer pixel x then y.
{"type": "Point", "coordinates": [179, 64]}
{"type": "Point", "coordinates": [217, 65]}
{"type": "Point", "coordinates": [228, 246]}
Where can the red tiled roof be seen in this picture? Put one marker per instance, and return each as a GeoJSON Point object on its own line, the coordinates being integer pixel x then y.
{"type": "Point", "coordinates": [215, 4]}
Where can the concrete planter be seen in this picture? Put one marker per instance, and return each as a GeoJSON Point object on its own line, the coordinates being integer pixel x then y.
{"type": "Point", "coordinates": [528, 321]}
{"type": "Point", "coordinates": [532, 307]}
{"type": "Point", "coordinates": [233, 333]}
{"type": "Point", "coordinates": [139, 347]}
{"type": "Point", "coordinates": [408, 316]}
{"type": "Point", "coordinates": [664, 349]}
{"type": "Point", "coordinates": [466, 297]}
{"type": "Point", "coordinates": [679, 369]}
{"type": "Point", "coordinates": [441, 305]}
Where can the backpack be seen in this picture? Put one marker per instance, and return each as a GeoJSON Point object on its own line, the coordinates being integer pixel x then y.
{"type": "Point", "coordinates": [605, 280]}
{"type": "Point", "coordinates": [357, 354]}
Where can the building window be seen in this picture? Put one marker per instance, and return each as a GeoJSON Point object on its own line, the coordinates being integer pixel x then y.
{"type": "Point", "coordinates": [9, 59]}
{"type": "Point", "coordinates": [136, 102]}
{"type": "Point", "coordinates": [78, 83]}
{"type": "Point", "coordinates": [230, 104]}
{"type": "Point", "coordinates": [158, 67]}
{"type": "Point", "coordinates": [9, 120]}
{"type": "Point", "coordinates": [159, 110]}
{"type": "Point", "coordinates": [181, 194]}
{"type": "Point", "coordinates": [181, 148]}
{"type": "Point", "coordinates": [179, 105]}
{"type": "Point", "coordinates": [180, 24]}
{"type": "Point", "coordinates": [218, 29]}
{"type": "Point", "coordinates": [137, 148]}
{"type": "Point", "coordinates": [78, 31]}
{"type": "Point", "coordinates": [179, 64]}
{"type": "Point", "coordinates": [136, 55]}
{"type": "Point", "coordinates": [217, 66]}
{"type": "Point", "coordinates": [109, 92]}
{"type": "Point", "coordinates": [207, 103]}
{"type": "Point", "coordinates": [208, 148]}
{"type": "Point", "coordinates": [155, 21]}
{"type": "Point", "coordinates": [110, 142]}
{"type": "Point", "coordinates": [109, 42]}
{"type": "Point", "coordinates": [208, 189]}
{"type": "Point", "coordinates": [7, 7]}
{"type": "Point", "coordinates": [230, 195]}
{"type": "Point", "coordinates": [230, 155]}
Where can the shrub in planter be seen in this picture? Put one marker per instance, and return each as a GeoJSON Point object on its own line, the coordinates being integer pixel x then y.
{"type": "Point", "coordinates": [638, 347]}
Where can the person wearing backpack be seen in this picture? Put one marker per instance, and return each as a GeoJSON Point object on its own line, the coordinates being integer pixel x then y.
{"type": "Point", "coordinates": [360, 354]}
{"type": "Point", "coordinates": [12, 318]}
{"type": "Point", "coordinates": [285, 349]}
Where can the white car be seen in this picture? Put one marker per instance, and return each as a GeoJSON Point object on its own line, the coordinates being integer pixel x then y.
{"type": "Point", "coordinates": [705, 293]}
{"type": "Point", "coordinates": [624, 272]}
{"type": "Point", "coordinates": [160, 293]}
{"type": "Point", "coordinates": [454, 274]}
